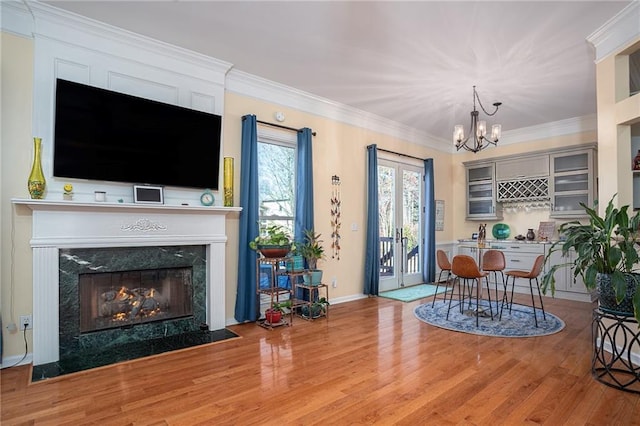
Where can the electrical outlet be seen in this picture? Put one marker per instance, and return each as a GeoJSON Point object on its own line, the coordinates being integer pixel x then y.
{"type": "Point", "coordinates": [26, 320]}
{"type": "Point", "coordinates": [334, 282]}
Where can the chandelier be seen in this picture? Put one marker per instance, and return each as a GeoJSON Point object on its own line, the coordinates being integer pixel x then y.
{"type": "Point", "coordinates": [478, 129]}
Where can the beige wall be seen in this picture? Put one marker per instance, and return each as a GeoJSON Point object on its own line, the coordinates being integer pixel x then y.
{"type": "Point", "coordinates": [616, 113]}
{"type": "Point", "coordinates": [339, 149]}
{"type": "Point", "coordinates": [15, 155]}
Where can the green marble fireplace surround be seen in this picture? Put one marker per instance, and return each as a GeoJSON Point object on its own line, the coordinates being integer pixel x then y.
{"type": "Point", "coordinates": [74, 262]}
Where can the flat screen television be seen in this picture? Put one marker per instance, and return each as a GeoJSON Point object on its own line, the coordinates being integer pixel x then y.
{"type": "Point", "coordinates": [109, 136]}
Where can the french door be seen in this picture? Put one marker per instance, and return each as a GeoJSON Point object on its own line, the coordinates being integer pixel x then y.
{"type": "Point", "coordinates": [400, 198]}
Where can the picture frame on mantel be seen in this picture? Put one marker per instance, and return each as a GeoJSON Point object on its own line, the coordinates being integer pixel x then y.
{"type": "Point", "coordinates": [147, 194]}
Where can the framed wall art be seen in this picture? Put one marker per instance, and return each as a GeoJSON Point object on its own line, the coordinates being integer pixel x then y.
{"type": "Point", "coordinates": [439, 215]}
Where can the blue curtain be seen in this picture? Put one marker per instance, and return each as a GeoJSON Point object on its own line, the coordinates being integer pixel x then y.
{"type": "Point", "coordinates": [246, 299]}
{"type": "Point", "coordinates": [372, 250]}
{"type": "Point", "coordinates": [429, 231]}
{"type": "Point", "coordinates": [304, 185]}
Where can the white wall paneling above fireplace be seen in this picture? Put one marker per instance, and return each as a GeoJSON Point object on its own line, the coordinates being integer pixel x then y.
{"type": "Point", "coordinates": [61, 224]}
{"type": "Point", "coordinates": [77, 49]}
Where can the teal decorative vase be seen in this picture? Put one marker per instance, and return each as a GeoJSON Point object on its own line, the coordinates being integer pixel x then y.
{"type": "Point", "coordinates": [36, 183]}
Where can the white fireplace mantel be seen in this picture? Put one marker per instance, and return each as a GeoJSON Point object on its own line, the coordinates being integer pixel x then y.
{"type": "Point", "coordinates": [68, 224]}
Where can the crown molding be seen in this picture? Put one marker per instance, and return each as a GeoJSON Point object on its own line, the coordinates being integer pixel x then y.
{"type": "Point", "coordinates": [16, 19]}
{"type": "Point", "coordinates": [41, 21]}
{"type": "Point", "coordinates": [565, 127]}
{"type": "Point", "coordinates": [617, 32]}
{"type": "Point", "coordinates": [250, 85]}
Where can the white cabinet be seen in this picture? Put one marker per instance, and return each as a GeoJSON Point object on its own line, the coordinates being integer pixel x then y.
{"type": "Point", "coordinates": [481, 193]}
{"type": "Point", "coordinates": [522, 256]}
{"type": "Point", "coordinates": [525, 167]}
{"type": "Point", "coordinates": [572, 182]}
{"type": "Point", "coordinates": [565, 284]}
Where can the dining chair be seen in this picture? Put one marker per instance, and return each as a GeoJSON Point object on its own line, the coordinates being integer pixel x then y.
{"type": "Point", "coordinates": [445, 266]}
{"type": "Point", "coordinates": [493, 261]}
{"type": "Point", "coordinates": [532, 276]}
{"type": "Point", "coordinates": [465, 268]}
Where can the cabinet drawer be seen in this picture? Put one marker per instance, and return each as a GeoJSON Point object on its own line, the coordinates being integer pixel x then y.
{"type": "Point", "coordinates": [516, 248]}
{"type": "Point", "coordinates": [520, 261]}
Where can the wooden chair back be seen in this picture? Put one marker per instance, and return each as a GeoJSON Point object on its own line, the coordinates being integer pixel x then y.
{"type": "Point", "coordinates": [493, 260]}
{"type": "Point", "coordinates": [465, 267]}
{"type": "Point", "coordinates": [443, 260]}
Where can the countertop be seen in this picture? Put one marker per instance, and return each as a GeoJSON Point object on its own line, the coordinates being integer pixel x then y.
{"type": "Point", "coordinates": [507, 241]}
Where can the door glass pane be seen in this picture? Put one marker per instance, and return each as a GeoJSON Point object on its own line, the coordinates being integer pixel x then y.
{"type": "Point", "coordinates": [411, 195]}
{"type": "Point", "coordinates": [480, 173]}
{"type": "Point", "coordinates": [571, 162]}
{"type": "Point", "coordinates": [386, 198]}
{"type": "Point", "coordinates": [480, 190]}
{"type": "Point", "coordinates": [570, 202]}
{"type": "Point", "coordinates": [480, 207]}
{"type": "Point", "coordinates": [578, 182]}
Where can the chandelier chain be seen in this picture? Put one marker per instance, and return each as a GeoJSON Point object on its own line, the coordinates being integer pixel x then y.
{"type": "Point", "coordinates": [482, 106]}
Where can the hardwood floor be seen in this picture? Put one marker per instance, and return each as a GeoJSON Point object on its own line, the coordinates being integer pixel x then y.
{"type": "Point", "coordinates": [371, 362]}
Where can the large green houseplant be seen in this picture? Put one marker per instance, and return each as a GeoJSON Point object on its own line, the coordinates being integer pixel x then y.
{"type": "Point", "coordinates": [606, 257]}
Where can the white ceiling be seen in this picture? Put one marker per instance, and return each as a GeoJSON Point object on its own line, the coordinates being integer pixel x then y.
{"type": "Point", "coordinates": [411, 62]}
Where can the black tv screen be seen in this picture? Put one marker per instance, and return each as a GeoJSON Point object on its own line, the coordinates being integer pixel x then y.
{"type": "Point", "coordinates": [110, 136]}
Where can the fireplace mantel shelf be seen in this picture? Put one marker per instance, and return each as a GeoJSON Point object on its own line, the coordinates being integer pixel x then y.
{"type": "Point", "coordinates": [104, 206]}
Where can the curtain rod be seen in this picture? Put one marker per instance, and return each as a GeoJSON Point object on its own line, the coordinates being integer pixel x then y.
{"type": "Point", "coordinates": [400, 154]}
{"type": "Point", "coordinates": [281, 126]}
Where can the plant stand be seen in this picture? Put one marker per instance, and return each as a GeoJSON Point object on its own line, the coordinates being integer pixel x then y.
{"type": "Point", "coordinates": [312, 293]}
{"type": "Point", "coordinates": [274, 289]}
{"type": "Point", "coordinates": [615, 340]}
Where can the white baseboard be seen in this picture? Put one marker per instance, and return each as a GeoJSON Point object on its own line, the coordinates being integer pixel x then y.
{"type": "Point", "coordinates": [635, 357]}
{"type": "Point", "coordinates": [15, 360]}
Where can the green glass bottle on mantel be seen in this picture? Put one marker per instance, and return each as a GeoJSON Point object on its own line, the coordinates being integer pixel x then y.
{"type": "Point", "coordinates": [37, 182]}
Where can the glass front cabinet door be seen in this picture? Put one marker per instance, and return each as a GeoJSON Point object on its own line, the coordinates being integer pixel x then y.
{"type": "Point", "coordinates": [481, 193]}
{"type": "Point", "coordinates": [572, 182]}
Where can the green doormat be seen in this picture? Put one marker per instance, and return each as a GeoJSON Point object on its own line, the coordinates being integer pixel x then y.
{"type": "Point", "coordinates": [409, 294]}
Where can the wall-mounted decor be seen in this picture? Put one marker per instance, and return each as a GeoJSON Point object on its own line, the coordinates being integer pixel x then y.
{"type": "Point", "coordinates": [439, 215]}
{"type": "Point", "coordinates": [335, 217]}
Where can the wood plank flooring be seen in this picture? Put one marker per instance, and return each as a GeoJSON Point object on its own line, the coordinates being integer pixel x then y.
{"type": "Point", "coordinates": [371, 362]}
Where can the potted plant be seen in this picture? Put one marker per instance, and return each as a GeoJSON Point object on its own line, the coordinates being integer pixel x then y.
{"type": "Point", "coordinates": [605, 257]}
{"type": "Point", "coordinates": [274, 314]}
{"type": "Point", "coordinates": [315, 309]}
{"type": "Point", "coordinates": [312, 250]}
{"type": "Point", "coordinates": [273, 241]}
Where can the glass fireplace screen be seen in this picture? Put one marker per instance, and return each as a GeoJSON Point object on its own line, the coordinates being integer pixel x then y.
{"type": "Point", "coordinates": [121, 299]}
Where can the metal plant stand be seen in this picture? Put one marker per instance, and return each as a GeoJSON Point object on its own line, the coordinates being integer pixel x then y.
{"type": "Point", "coordinates": [616, 340]}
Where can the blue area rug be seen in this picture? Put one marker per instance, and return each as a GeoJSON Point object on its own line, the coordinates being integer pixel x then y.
{"type": "Point", "coordinates": [519, 323]}
{"type": "Point", "coordinates": [414, 292]}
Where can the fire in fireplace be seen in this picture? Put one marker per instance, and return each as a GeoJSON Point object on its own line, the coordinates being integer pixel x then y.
{"type": "Point", "coordinates": [122, 299]}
